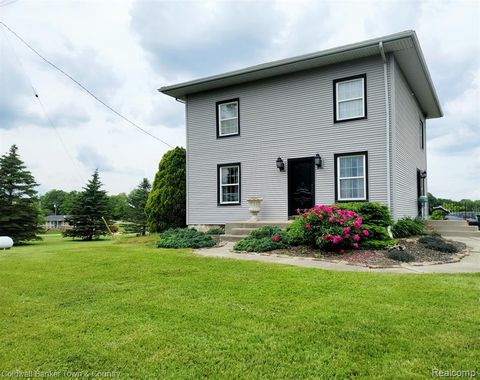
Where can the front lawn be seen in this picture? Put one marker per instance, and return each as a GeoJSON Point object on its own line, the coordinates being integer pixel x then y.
{"type": "Point", "coordinates": [145, 312]}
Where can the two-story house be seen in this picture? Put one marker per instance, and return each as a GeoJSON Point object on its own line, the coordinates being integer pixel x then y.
{"type": "Point", "coordinates": [340, 125]}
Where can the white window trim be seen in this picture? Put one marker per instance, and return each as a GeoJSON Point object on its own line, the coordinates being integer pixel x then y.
{"type": "Point", "coordinates": [364, 198]}
{"type": "Point", "coordinates": [222, 185]}
{"type": "Point", "coordinates": [220, 119]}
{"type": "Point", "coordinates": [337, 108]}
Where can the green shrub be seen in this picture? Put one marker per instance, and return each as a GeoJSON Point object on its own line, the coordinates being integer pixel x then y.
{"type": "Point", "coordinates": [437, 215]}
{"type": "Point", "coordinates": [437, 244]}
{"type": "Point", "coordinates": [166, 204]}
{"type": "Point", "coordinates": [406, 227]}
{"type": "Point", "coordinates": [371, 212]}
{"type": "Point", "coordinates": [215, 231]}
{"type": "Point", "coordinates": [379, 244]}
{"type": "Point", "coordinates": [263, 239]}
{"type": "Point", "coordinates": [429, 239]}
{"type": "Point", "coordinates": [377, 232]}
{"type": "Point", "coordinates": [185, 238]}
{"type": "Point", "coordinates": [258, 245]}
{"type": "Point", "coordinates": [266, 231]}
{"type": "Point", "coordinates": [296, 232]}
{"type": "Point", "coordinates": [402, 256]}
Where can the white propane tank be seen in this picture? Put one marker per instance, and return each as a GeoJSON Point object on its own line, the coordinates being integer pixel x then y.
{"type": "Point", "coordinates": [5, 242]}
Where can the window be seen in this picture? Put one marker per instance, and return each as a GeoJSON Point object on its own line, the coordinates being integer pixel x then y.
{"type": "Point", "coordinates": [229, 184]}
{"type": "Point", "coordinates": [350, 98]}
{"type": "Point", "coordinates": [422, 135]}
{"type": "Point", "coordinates": [351, 177]}
{"type": "Point", "coordinates": [228, 119]}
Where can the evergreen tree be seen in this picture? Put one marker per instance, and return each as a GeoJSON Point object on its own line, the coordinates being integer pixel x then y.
{"type": "Point", "coordinates": [137, 200]}
{"type": "Point", "coordinates": [166, 205]}
{"type": "Point", "coordinates": [89, 207]}
{"type": "Point", "coordinates": [19, 211]}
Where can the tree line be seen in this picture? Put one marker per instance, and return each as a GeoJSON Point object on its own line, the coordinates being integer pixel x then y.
{"type": "Point", "coordinates": [91, 211]}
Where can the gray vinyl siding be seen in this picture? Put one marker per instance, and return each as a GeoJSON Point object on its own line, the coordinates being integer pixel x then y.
{"type": "Point", "coordinates": [407, 154]}
{"type": "Point", "coordinates": [287, 116]}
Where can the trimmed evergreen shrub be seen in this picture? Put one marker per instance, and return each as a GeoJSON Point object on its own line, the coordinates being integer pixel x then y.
{"type": "Point", "coordinates": [429, 239]}
{"type": "Point", "coordinates": [166, 204]}
{"type": "Point", "coordinates": [263, 239]}
{"type": "Point", "coordinates": [437, 244]}
{"type": "Point", "coordinates": [406, 227]}
{"type": "Point", "coordinates": [185, 238]}
{"type": "Point", "coordinates": [402, 256]}
{"type": "Point", "coordinates": [371, 212]}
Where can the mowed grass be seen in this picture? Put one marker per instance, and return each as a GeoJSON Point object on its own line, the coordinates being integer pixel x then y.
{"type": "Point", "coordinates": [145, 312]}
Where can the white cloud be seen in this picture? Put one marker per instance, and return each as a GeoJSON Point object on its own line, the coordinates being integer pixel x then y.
{"type": "Point", "coordinates": [125, 50]}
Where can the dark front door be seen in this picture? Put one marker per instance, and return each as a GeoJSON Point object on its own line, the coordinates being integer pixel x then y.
{"type": "Point", "coordinates": [301, 184]}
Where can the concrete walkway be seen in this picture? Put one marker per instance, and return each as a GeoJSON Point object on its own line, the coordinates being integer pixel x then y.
{"type": "Point", "coordinates": [470, 263]}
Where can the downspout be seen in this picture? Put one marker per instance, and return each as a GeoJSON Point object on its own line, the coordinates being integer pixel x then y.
{"type": "Point", "coordinates": [387, 123]}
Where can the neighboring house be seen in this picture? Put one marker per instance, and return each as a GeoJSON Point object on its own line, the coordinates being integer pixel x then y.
{"type": "Point", "coordinates": [344, 124]}
{"type": "Point", "coordinates": [56, 222]}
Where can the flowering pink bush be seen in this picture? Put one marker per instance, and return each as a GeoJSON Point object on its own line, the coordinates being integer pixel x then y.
{"type": "Point", "coordinates": [332, 228]}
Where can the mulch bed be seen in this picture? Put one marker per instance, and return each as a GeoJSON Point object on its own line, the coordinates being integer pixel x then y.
{"type": "Point", "coordinates": [379, 259]}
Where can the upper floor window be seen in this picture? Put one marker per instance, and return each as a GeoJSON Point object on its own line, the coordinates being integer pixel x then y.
{"type": "Point", "coordinates": [350, 99]}
{"type": "Point", "coordinates": [228, 119]}
{"type": "Point", "coordinates": [422, 135]}
{"type": "Point", "coordinates": [351, 176]}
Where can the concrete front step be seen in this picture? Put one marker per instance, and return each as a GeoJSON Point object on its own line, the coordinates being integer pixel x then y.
{"type": "Point", "coordinates": [452, 228]}
{"type": "Point", "coordinates": [462, 228]}
{"type": "Point", "coordinates": [231, 238]}
{"type": "Point", "coordinates": [452, 234]}
{"type": "Point", "coordinates": [241, 231]}
{"type": "Point", "coordinates": [437, 223]}
{"type": "Point", "coordinates": [253, 225]}
{"type": "Point", "coordinates": [236, 231]}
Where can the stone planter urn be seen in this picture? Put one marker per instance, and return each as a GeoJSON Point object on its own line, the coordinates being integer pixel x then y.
{"type": "Point", "coordinates": [254, 207]}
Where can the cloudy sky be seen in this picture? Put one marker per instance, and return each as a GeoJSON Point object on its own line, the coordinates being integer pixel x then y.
{"type": "Point", "coordinates": [124, 50]}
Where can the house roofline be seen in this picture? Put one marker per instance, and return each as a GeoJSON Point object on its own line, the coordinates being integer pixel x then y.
{"type": "Point", "coordinates": [307, 61]}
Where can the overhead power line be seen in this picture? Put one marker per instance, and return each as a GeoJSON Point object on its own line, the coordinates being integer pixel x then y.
{"type": "Point", "coordinates": [83, 87]}
{"type": "Point", "coordinates": [47, 116]}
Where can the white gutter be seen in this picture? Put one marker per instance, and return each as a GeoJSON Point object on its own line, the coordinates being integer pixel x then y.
{"type": "Point", "coordinates": [387, 122]}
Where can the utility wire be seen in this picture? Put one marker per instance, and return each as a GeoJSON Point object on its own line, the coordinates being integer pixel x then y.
{"type": "Point", "coordinates": [83, 87]}
{"type": "Point", "coordinates": [37, 97]}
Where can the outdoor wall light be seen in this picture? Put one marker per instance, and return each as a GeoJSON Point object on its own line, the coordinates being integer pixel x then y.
{"type": "Point", "coordinates": [318, 161]}
{"type": "Point", "coordinates": [280, 164]}
{"type": "Point", "coordinates": [423, 174]}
